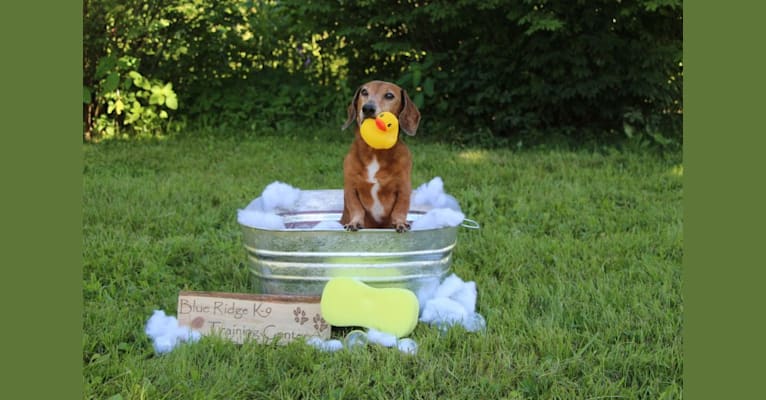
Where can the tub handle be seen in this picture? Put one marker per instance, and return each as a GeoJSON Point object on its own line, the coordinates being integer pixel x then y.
{"type": "Point", "coordinates": [470, 224]}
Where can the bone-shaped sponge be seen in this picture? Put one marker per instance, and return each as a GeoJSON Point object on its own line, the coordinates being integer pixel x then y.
{"type": "Point", "coordinates": [350, 302]}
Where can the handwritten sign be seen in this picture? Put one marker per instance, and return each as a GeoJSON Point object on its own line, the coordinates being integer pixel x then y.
{"type": "Point", "coordinates": [263, 318]}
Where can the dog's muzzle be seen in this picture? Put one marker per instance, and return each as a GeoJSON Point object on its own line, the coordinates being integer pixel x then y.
{"type": "Point", "coordinates": [369, 110]}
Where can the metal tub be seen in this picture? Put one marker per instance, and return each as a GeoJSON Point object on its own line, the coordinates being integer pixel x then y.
{"type": "Point", "coordinates": [300, 260]}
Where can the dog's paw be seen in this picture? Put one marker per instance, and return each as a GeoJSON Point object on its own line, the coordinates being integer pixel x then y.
{"type": "Point", "coordinates": [353, 226]}
{"type": "Point", "coordinates": [402, 227]}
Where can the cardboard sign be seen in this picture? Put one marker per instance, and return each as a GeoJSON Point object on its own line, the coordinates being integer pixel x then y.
{"type": "Point", "coordinates": [263, 318]}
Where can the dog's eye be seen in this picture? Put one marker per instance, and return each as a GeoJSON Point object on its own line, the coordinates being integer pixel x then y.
{"type": "Point", "coordinates": [389, 96]}
{"type": "Point", "coordinates": [364, 92]}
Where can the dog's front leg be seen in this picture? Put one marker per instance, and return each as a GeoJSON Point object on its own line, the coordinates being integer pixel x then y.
{"type": "Point", "coordinates": [400, 210]}
{"type": "Point", "coordinates": [353, 212]}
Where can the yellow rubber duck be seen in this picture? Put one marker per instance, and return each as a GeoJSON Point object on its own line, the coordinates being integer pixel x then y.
{"type": "Point", "coordinates": [382, 132]}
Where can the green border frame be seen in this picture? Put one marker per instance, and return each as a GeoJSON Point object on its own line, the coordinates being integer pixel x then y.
{"type": "Point", "coordinates": [42, 199]}
{"type": "Point", "coordinates": [724, 67]}
{"type": "Point", "coordinates": [724, 140]}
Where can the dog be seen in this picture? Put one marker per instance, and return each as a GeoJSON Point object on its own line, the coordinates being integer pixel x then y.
{"type": "Point", "coordinates": [376, 183]}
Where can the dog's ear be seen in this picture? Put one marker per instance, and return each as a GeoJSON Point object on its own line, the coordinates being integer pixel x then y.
{"type": "Point", "coordinates": [352, 111]}
{"type": "Point", "coordinates": [409, 117]}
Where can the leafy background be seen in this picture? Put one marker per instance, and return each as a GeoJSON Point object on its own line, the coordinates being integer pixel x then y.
{"type": "Point", "coordinates": [481, 70]}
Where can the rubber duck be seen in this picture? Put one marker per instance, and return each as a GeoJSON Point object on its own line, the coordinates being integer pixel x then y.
{"type": "Point", "coordinates": [382, 132]}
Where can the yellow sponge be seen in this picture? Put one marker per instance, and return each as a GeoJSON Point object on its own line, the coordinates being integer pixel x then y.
{"type": "Point", "coordinates": [350, 302]}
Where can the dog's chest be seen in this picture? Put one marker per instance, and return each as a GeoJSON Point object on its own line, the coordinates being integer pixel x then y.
{"type": "Point", "coordinates": [372, 169]}
{"type": "Point", "coordinates": [376, 208]}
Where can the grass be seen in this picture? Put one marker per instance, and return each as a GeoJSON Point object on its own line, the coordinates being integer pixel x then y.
{"type": "Point", "coordinates": [578, 265]}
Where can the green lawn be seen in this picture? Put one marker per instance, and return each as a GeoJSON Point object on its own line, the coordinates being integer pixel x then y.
{"type": "Point", "coordinates": [578, 266]}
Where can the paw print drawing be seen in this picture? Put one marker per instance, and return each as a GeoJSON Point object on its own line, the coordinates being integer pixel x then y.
{"type": "Point", "coordinates": [300, 316]}
{"type": "Point", "coordinates": [319, 323]}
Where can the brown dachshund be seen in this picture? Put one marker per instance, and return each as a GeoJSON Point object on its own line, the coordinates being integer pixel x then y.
{"type": "Point", "coordinates": [376, 183]}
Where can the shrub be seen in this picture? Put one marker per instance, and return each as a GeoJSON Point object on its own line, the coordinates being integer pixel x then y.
{"type": "Point", "coordinates": [477, 68]}
{"type": "Point", "coordinates": [130, 98]}
{"type": "Point", "coordinates": [574, 68]}
{"type": "Point", "coordinates": [117, 98]}
{"type": "Point", "coordinates": [226, 62]}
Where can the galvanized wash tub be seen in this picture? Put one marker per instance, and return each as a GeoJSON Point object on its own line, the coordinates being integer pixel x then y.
{"type": "Point", "coordinates": [299, 260]}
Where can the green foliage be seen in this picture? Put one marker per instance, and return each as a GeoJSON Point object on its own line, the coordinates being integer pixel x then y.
{"type": "Point", "coordinates": [131, 99]}
{"type": "Point", "coordinates": [229, 62]}
{"type": "Point", "coordinates": [261, 104]}
{"type": "Point", "coordinates": [516, 70]}
{"type": "Point", "coordinates": [529, 68]}
{"type": "Point", "coordinates": [117, 99]}
{"type": "Point", "coordinates": [646, 131]}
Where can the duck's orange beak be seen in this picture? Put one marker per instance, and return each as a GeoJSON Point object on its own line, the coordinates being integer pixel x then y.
{"type": "Point", "coordinates": [380, 123]}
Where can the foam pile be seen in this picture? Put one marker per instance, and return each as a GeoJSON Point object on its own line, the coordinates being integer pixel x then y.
{"type": "Point", "coordinates": [166, 334]}
{"type": "Point", "coordinates": [452, 303]}
{"type": "Point", "coordinates": [432, 194]}
{"type": "Point", "coordinates": [444, 209]}
{"type": "Point", "coordinates": [263, 212]}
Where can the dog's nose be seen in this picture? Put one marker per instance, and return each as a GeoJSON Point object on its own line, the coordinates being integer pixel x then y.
{"type": "Point", "coordinates": [368, 110]}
